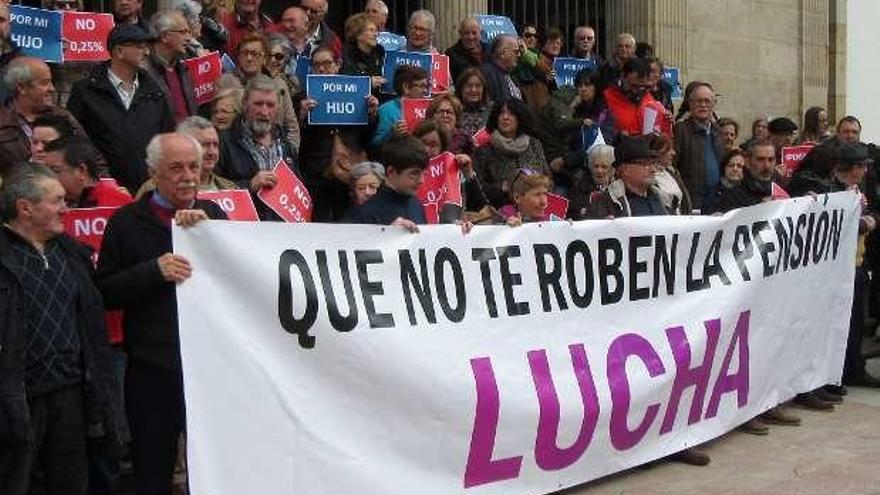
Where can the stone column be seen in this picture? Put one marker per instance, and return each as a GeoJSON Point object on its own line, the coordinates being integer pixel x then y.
{"type": "Point", "coordinates": [814, 54]}
{"type": "Point", "coordinates": [449, 14]}
{"type": "Point", "coordinates": [837, 61]}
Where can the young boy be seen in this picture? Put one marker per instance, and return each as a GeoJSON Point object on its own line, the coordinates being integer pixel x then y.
{"type": "Point", "coordinates": [404, 157]}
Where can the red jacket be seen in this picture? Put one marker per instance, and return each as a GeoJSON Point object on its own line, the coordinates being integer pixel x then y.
{"type": "Point", "coordinates": [107, 193]}
{"type": "Point", "coordinates": [238, 29]}
{"type": "Point", "coordinates": [626, 114]}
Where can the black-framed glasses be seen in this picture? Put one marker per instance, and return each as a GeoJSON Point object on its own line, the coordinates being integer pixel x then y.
{"type": "Point", "coordinates": [279, 57]}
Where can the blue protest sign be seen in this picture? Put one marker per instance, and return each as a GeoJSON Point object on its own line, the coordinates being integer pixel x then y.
{"type": "Point", "coordinates": [37, 32]}
{"type": "Point", "coordinates": [393, 59]}
{"type": "Point", "coordinates": [566, 69]}
{"type": "Point", "coordinates": [227, 63]}
{"type": "Point", "coordinates": [303, 68]}
{"type": "Point", "coordinates": [342, 100]}
{"type": "Point", "coordinates": [391, 42]}
{"type": "Point", "coordinates": [670, 75]}
{"type": "Point", "coordinates": [493, 25]}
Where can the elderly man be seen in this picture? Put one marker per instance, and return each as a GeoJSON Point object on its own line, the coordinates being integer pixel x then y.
{"type": "Point", "coordinates": [138, 272]}
{"type": "Point", "coordinates": [200, 129]}
{"type": "Point", "coordinates": [250, 149]}
{"type": "Point", "coordinates": [122, 106]}
{"type": "Point", "coordinates": [469, 50]}
{"type": "Point", "coordinates": [318, 29]}
{"type": "Point", "coordinates": [55, 383]}
{"type": "Point", "coordinates": [585, 44]}
{"type": "Point", "coordinates": [295, 27]}
{"type": "Point", "coordinates": [504, 53]}
{"type": "Point", "coordinates": [245, 19]}
{"type": "Point", "coordinates": [420, 32]}
{"type": "Point", "coordinates": [624, 49]}
{"type": "Point", "coordinates": [377, 11]}
{"type": "Point", "coordinates": [165, 62]}
{"type": "Point", "coordinates": [699, 146]}
{"type": "Point", "coordinates": [30, 83]}
{"type": "Point", "coordinates": [130, 12]}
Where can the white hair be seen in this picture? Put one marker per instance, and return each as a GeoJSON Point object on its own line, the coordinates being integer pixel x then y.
{"type": "Point", "coordinates": [424, 14]}
{"type": "Point", "coordinates": [600, 153]}
{"type": "Point", "coordinates": [193, 124]}
{"type": "Point", "coordinates": [382, 6]}
{"type": "Point", "coordinates": [156, 148]}
{"type": "Point", "coordinates": [188, 8]}
{"type": "Point", "coordinates": [163, 21]}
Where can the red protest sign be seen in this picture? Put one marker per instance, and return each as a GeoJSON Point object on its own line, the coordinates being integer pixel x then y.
{"type": "Point", "coordinates": [432, 213]}
{"type": "Point", "coordinates": [792, 156]}
{"type": "Point", "coordinates": [236, 203]}
{"type": "Point", "coordinates": [481, 138]}
{"type": "Point", "coordinates": [439, 73]}
{"type": "Point", "coordinates": [289, 198]}
{"type": "Point", "coordinates": [87, 225]}
{"type": "Point", "coordinates": [85, 36]}
{"type": "Point", "coordinates": [415, 110]}
{"type": "Point", "coordinates": [440, 185]}
{"type": "Point", "coordinates": [204, 72]}
{"type": "Point", "coordinates": [557, 207]}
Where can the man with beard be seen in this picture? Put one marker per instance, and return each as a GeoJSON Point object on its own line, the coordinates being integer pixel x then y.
{"type": "Point", "coordinates": [250, 149]}
{"type": "Point", "coordinates": [627, 96]}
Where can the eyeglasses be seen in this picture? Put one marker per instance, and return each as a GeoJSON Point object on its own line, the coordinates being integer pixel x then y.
{"type": "Point", "coordinates": [323, 63]}
{"type": "Point", "coordinates": [420, 29]}
{"type": "Point", "coordinates": [279, 56]}
{"type": "Point", "coordinates": [314, 12]}
{"type": "Point", "coordinates": [183, 31]}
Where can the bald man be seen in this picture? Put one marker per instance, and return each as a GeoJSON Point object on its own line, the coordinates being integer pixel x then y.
{"type": "Point", "coordinates": [29, 82]}
{"type": "Point", "coordinates": [295, 27]}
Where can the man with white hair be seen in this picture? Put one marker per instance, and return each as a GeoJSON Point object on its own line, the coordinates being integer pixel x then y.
{"type": "Point", "coordinates": [138, 272]}
{"type": "Point", "coordinates": [165, 62]}
{"type": "Point", "coordinates": [377, 11]}
{"type": "Point", "coordinates": [420, 32]}
{"type": "Point", "coordinates": [624, 49]}
{"type": "Point", "coordinates": [584, 46]}
{"type": "Point", "coordinates": [319, 31]}
{"type": "Point", "coordinates": [504, 54]}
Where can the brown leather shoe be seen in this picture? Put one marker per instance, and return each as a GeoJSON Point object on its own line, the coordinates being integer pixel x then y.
{"type": "Point", "coordinates": [754, 427]}
{"type": "Point", "coordinates": [692, 456]}
{"type": "Point", "coordinates": [778, 416]}
{"type": "Point", "coordinates": [809, 400]}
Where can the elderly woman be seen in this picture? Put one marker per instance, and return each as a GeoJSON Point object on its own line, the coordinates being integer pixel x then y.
{"type": "Point", "coordinates": [600, 164]}
{"type": "Point", "coordinates": [362, 54]}
{"type": "Point", "coordinates": [251, 54]}
{"type": "Point", "coordinates": [471, 88]}
{"type": "Point", "coordinates": [366, 179]}
{"type": "Point", "coordinates": [225, 107]}
{"type": "Point", "coordinates": [409, 82]}
{"type": "Point", "coordinates": [512, 146]}
{"type": "Point", "coordinates": [280, 51]}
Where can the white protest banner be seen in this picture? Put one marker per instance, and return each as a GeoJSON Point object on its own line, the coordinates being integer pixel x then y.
{"type": "Point", "coordinates": [366, 359]}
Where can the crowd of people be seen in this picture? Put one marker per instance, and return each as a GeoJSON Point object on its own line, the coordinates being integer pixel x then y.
{"type": "Point", "coordinates": [75, 333]}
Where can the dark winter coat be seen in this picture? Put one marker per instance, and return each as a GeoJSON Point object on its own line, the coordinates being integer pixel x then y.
{"type": "Point", "coordinates": [130, 280]}
{"type": "Point", "coordinates": [120, 134]}
{"type": "Point", "coordinates": [100, 395]}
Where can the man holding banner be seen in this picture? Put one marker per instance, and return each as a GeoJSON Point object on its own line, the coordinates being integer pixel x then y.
{"type": "Point", "coordinates": [138, 273]}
